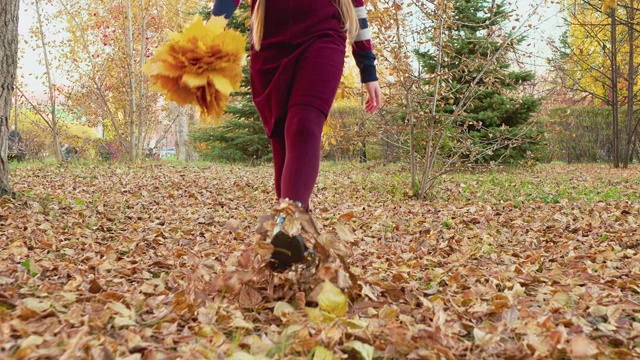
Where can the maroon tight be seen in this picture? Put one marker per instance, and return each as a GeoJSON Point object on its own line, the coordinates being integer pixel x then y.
{"type": "Point", "coordinates": [296, 143]}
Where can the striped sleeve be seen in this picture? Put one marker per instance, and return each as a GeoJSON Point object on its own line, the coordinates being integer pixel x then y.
{"type": "Point", "coordinates": [224, 7]}
{"type": "Point", "coordinates": [361, 48]}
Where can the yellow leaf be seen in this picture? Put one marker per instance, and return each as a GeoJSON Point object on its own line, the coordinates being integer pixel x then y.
{"type": "Point", "coordinates": [214, 335]}
{"type": "Point", "coordinates": [483, 338]}
{"type": "Point", "coordinates": [121, 321]}
{"type": "Point", "coordinates": [332, 300]}
{"type": "Point", "coordinates": [317, 316]}
{"type": "Point", "coordinates": [241, 324]}
{"type": "Point", "coordinates": [31, 341]}
{"type": "Point", "coordinates": [194, 80]}
{"type": "Point", "coordinates": [122, 309]}
{"type": "Point", "coordinates": [388, 313]}
{"type": "Point", "coordinates": [320, 353]}
{"type": "Point", "coordinates": [608, 4]}
{"type": "Point", "coordinates": [222, 84]}
{"type": "Point", "coordinates": [282, 310]}
{"type": "Point", "coordinates": [241, 355]}
{"type": "Point", "coordinates": [364, 350]}
{"type": "Point", "coordinates": [216, 24]}
{"type": "Point", "coordinates": [37, 305]}
{"type": "Point", "coordinates": [354, 324]}
{"type": "Point", "coordinates": [257, 345]}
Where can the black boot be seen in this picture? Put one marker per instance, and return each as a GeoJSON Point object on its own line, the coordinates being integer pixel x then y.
{"type": "Point", "coordinates": [287, 250]}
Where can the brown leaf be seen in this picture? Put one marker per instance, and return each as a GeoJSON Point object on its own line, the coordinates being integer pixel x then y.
{"type": "Point", "coordinates": [581, 347]}
{"type": "Point", "coordinates": [95, 287]}
{"type": "Point", "coordinates": [245, 260]}
{"type": "Point", "coordinates": [233, 225]}
{"type": "Point", "coordinates": [344, 233]}
{"type": "Point", "coordinates": [249, 297]}
{"type": "Point", "coordinates": [348, 216]}
{"type": "Point", "coordinates": [76, 344]}
{"type": "Point", "coordinates": [333, 244]}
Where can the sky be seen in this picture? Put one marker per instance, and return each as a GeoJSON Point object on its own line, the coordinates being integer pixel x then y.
{"type": "Point", "coordinates": [547, 24]}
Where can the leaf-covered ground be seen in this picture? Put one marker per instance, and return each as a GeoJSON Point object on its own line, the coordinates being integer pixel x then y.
{"type": "Point", "coordinates": [162, 262]}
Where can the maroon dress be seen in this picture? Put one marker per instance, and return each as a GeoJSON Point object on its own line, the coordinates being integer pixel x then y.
{"type": "Point", "coordinates": [301, 37]}
{"type": "Point", "coordinates": [294, 79]}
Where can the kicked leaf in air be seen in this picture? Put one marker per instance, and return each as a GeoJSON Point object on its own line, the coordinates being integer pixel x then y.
{"type": "Point", "coordinates": [332, 300]}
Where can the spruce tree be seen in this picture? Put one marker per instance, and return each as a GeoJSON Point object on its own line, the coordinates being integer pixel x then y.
{"type": "Point", "coordinates": [472, 38]}
{"type": "Point", "coordinates": [242, 138]}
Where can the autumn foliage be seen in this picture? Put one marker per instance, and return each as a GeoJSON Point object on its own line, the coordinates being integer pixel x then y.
{"type": "Point", "coordinates": [160, 262]}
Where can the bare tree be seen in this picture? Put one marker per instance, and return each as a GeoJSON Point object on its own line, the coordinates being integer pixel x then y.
{"type": "Point", "coordinates": [8, 65]}
{"type": "Point", "coordinates": [631, 77]}
{"type": "Point", "coordinates": [614, 90]}
{"type": "Point", "coordinates": [437, 107]}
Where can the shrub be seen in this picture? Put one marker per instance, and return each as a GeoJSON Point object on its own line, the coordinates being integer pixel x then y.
{"type": "Point", "coordinates": [581, 134]}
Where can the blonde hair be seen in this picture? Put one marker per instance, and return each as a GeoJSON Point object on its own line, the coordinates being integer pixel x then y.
{"type": "Point", "coordinates": [347, 12]}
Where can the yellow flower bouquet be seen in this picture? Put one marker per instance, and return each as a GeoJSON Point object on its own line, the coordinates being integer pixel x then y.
{"type": "Point", "coordinates": [201, 65]}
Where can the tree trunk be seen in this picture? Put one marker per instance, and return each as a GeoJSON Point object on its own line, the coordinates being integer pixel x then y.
{"type": "Point", "coordinates": [362, 129]}
{"type": "Point", "coordinates": [53, 121]}
{"type": "Point", "coordinates": [614, 91]}
{"type": "Point", "coordinates": [8, 64]}
{"type": "Point", "coordinates": [15, 113]}
{"type": "Point", "coordinates": [412, 142]}
{"type": "Point", "coordinates": [141, 96]}
{"type": "Point", "coordinates": [434, 139]}
{"type": "Point", "coordinates": [628, 144]}
{"type": "Point", "coordinates": [132, 86]}
{"type": "Point", "coordinates": [181, 130]}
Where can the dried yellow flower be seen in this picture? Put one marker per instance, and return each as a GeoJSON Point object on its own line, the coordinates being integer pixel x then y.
{"type": "Point", "coordinates": [201, 65]}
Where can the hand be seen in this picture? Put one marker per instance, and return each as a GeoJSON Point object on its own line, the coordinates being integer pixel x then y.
{"type": "Point", "coordinates": [374, 99]}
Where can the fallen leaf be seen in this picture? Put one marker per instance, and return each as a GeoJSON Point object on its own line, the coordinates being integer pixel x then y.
{"type": "Point", "coordinates": [365, 351]}
{"type": "Point", "coordinates": [31, 341]}
{"type": "Point", "coordinates": [37, 305]}
{"type": "Point", "coordinates": [332, 300]}
{"type": "Point", "coordinates": [283, 310]}
{"type": "Point", "coordinates": [321, 353]}
{"type": "Point", "coordinates": [581, 347]}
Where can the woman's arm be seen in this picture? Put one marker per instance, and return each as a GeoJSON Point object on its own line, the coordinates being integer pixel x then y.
{"type": "Point", "coordinates": [361, 47]}
{"type": "Point", "coordinates": [224, 7]}
{"type": "Point", "coordinates": [365, 59]}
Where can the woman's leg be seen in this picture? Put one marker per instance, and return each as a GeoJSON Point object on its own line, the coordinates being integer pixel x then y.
{"type": "Point", "coordinates": [315, 83]}
{"type": "Point", "coordinates": [278, 149]}
{"type": "Point", "coordinates": [302, 135]}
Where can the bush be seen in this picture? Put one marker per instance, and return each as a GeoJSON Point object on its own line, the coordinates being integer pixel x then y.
{"type": "Point", "coordinates": [582, 134]}
{"type": "Point", "coordinates": [109, 150]}
{"type": "Point", "coordinates": [35, 141]}
{"type": "Point", "coordinates": [342, 135]}
{"type": "Point", "coordinates": [350, 134]}
{"type": "Point", "coordinates": [237, 140]}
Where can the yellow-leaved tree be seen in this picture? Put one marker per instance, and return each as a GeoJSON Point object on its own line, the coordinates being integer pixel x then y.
{"type": "Point", "coordinates": [593, 59]}
{"type": "Point", "coordinates": [107, 43]}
